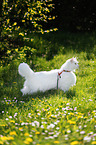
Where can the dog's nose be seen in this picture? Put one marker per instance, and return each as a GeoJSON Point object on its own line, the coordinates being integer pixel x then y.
{"type": "Point", "coordinates": [78, 65]}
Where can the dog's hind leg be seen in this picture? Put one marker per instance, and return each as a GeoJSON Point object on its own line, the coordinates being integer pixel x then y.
{"type": "Point", "coordinates": [25, 90]}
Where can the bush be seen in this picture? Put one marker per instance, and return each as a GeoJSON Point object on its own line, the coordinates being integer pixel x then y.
{"type": "Point", "coordinates": [18, 19]}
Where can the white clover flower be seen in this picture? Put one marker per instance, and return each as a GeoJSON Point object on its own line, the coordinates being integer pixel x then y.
{"type": "Point", "coordinates": [75, 108]}
{"type": "Point", "coordinates": [82, 132]}
{"type": "Point", "coordinates": [46, 138]}
{"type": "Point", "coordinates": [68, 131]}
{"type": "Point", "coordinates": [57, 128]}
{"type": "Point", "coordinates": [67, 103]}
{"type": "Point", "coordinates": [50, 126]}
{"type": "Point", "coordinates": [10, 116]}
{"type": "Point", "coordinates": [29, 114]}
{"type": "Point", "coordinates": [37, 123]}
{"type": "Point", "coordinates": [57, 109]}
{"type": "Point", "coordinates": [51, 137]}
{"type": "Point", "coordinates": [66, 135]}
{"type": "Point", "coordinates": [33, 124]}
{"type": "Point", "coordinates": [42, 126]}
{"type": "Point", "coordinates": [87, 138]}
{"type": "Point", "coordinates": [55, 135]}
{"type": "Point", "coordinates": [22, 123]}
{"type": "Point", "coordinates": [85, 125]}
{"type": "Point", "coordinates": [44, 122]}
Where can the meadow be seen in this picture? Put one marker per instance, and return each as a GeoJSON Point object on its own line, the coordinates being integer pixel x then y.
{"type": "Point", "coordinates": [52, 117]}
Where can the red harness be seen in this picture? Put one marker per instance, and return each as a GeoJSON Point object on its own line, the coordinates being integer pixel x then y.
{"type": "Point", "coordinates": [63, 71]}
{"type": "Point", "coordinates": [58, 76]}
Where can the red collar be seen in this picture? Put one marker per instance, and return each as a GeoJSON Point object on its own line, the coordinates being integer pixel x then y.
{"type": "Point", "coordinates": [63, 71]}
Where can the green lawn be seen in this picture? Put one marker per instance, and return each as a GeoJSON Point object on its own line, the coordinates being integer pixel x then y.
{"type": "Point", "coordinates": [53, 117]}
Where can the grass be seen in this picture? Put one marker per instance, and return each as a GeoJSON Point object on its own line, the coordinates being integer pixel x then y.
{"type": "Point", "coordinates": [52, 117]}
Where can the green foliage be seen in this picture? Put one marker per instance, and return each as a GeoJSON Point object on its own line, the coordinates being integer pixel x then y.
{"type": "Point", "coordinates": [18, 19]}
{"type": "Point", "coordinates": [37, 45]}
{"type": "Point", "coordinates": [26, 13]}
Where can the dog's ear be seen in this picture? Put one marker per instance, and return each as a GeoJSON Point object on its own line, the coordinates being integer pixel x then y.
{"type": "Point", "coordinates": [72, 59]}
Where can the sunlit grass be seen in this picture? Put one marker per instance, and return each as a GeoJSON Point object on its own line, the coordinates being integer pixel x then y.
{"type": "Point", "coordinates": [52, 117]}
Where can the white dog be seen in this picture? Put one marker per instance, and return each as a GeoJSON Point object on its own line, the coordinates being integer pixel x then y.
{"type": "Point", "coordinates": [62, 78]}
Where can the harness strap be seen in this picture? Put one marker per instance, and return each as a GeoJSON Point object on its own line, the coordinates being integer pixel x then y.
{"type": "Point", "coordinates": [58, 76]}
{"type": "Point", "coordinates": [63, 71]}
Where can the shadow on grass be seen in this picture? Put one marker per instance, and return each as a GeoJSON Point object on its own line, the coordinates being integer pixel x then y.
{"type": "Point", "coordinates": [70, 94]}
{"type": "Point", "coordinates": [48, 94]}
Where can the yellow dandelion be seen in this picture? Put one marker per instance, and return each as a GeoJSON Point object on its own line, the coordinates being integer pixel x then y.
{"type": "Point", "coordinates": [79, 117]}
{"type": "Point", "coordinates": [12, 133]}
{"type": "Point", "coordinates": [47, 31]}
{"type": "Point", "coordinates": [3, 138]}
{"type": "Point", "coordinates": [85, 117]}
{"type": "Point", "coordinates": [12, 121]}
{"type": "Point", "coordinates": [20, 128]}
{"type": "Point", "coordinates": [42, 32]}
{"type": "Point", "coordinates": [8, 51]}
{"type": "Point", "coordinates": [71, 113]}
{"type": "Point", "coordinates": [16, 50]}
{"type": "Point", "coordinates": [56, 141]}
{"type": "Point", "coordinates": [2, 125]}
{"type": "Point", "coordinates": [21, 34]}
{"type": "Point", "coordinates": [1, 142]}
{"type": "Point", "coordinates": [93, 120]}
{"type": "Point", "coordinates": [15, 23]}
{"type": "Point", "coordinates": [14, 82]}
{"type": "Point", "coordinates": [53, 117]}
{"type": "Point", "coordinates": [53, 17]}
{"type": "Point", "coordinates": [23, 21]}
{"type": "Point", "coordinates": [50, 18]}
{"type": "Point", "coordinates": [32, 39]}
{"type": "Point", "coordinates": [39, 12]}
{"type": "Point", "coordinates": [26, 142]}
{"type": "Point", "coordinates": [37, 132]}
{"type": "Point", "coordinates": [26, 134]}
{"type": "Point", "coordinates": [93, 142]}
{"type": "Point", "coordinates": [29, 139]}
{"type": "Point", "coordinates": [8, 21]}
{"type": "Point", "coordinates": [10, 138]}
{"type": "Point", "coordinates": [71, 122]}
{"type": "Point", "coordinates": [74, 143]}
{"type": "Point", "coordinates": [55, 29]}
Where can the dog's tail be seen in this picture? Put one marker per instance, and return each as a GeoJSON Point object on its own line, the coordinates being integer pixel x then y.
{"type": "Point", "coordinates": [24, 70]}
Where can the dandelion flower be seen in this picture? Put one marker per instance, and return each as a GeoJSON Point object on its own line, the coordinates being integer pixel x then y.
{"type": "Point", "coordinates": [37, 132]}
{"type": "Point", "coordinates": [3, 138]}
{"type": "Point", "coordinates": [94, 142]}
{"type": "Point", "coordinates": [56, 142]}
{"type": "Point", "coordinates": [29, 139]}
{"type": "Point", "coordinates": [74, 143]}
{"type": "Point", "coordinates": [13, 133]}
{"type": "Point", "coordinates": [26, 134]}
{"type": "Point", "coordinates": [1, 142]}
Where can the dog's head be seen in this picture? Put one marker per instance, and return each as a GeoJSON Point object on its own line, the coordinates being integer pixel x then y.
{"type": "Point", "coordinates": [73, 63]}
{"type": "Point", "coordinates": [70, 64]}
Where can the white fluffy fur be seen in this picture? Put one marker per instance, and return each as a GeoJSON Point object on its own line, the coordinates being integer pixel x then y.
{"type": "Point", "coordinates": [46, 80]}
